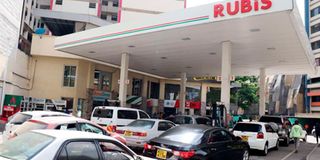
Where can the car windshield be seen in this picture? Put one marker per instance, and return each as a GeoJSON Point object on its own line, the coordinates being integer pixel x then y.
{"type": "Point", "coordinates": [246, 127]}
{"type": "Point", "coordinates": [183, 135]}
{"type": "Point", "coordinates": [103, 113]}
{"type": "Point", "coordinates": [146, 124]}
{"type": "Point", "coordinates": [182, 120]}
{"type": "Point", "coordinates": [20, 118]}
{"type": "Point", "coordinates": [271, 119]}
{"type": "Point", "coordinates": [25, 146]}
{"type": "Point", "coordinates": [30, 125]}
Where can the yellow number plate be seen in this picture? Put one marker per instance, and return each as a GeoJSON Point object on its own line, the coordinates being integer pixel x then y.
{"type": "Point", "coordinates": [128, 133]}
{"type": "Point", "coordinates": [245, 138]}
{"type": "Point", "coordinates": [162, 154]}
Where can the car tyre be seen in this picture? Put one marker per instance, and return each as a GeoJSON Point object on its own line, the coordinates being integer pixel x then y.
{"type": "Point", "coordinates": [277, 145]}
{"type": "Point", "coordinates": [246, 155]}
{"type": "Point", "coordinates": [265, 150]}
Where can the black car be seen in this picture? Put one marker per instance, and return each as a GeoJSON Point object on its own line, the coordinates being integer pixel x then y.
{"type": "Point", "coordinates": [187, 119]}
{"type": "Point", "coordinates": [197, 142]}
{"type": "Point", "coordinates": [283, 127]}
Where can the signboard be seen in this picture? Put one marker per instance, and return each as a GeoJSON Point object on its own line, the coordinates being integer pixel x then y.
{"type": "Point", "coordinates": [12, 101]}
{"type": "Point", "coordinates": [38, 100]}
{"type": "Point", "coordinates": [101, 95]}
{"type": "Point", "coordinates": [169, 103]}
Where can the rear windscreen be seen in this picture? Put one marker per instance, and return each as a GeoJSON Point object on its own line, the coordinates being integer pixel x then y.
{"type": "Point", "coordinates": [29, 125]}
{"type": "Point", "coordinates": [244, 127]}
{"type": "Point", "coordinates": [103, 113]}
{"type": "Point", "coordinates": [20, 118]}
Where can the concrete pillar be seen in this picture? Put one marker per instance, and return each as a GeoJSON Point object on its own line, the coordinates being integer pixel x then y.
{"type": "Point", "coordinates": [144, 93]}
{"type": "Point", "coordinates": [226, 74]}
{"type": "Point", "coordinates": [262, 92]}
{"type": "Point", "coordinates": [161, 96]}
{"type": "Point", "coordinates": [123, 79]}
{"type": "Point", "coordinates": [183, 86]}
{"type": "Point", "coordinates": [203, 99]}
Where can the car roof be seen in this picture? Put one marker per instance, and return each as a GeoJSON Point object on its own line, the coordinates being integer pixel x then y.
{"type": "Point", "coordinates": [155, 120]}
{"type": "Point", "coordinates": [67, 134]}
{"type": "Point", "coordinates": [40, 113]}
{"type": "Point", "coordinates": [62, 119]}
{"type": "Point", "coordinates": [260, 123]}
{"type": "Point", "coordinates": [117, 108]}
{"type": "Point", "coordinates": [197, 127]}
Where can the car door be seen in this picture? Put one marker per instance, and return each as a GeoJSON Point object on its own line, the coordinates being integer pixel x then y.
{"type": "Point", "coordinates": [112, 150]}
{"type": "Point", "coordinates": [79, 150]}
{"type": "Point", "coordinates": [217, 146]}
{"type": "Point", "coordinates": [271, 136]}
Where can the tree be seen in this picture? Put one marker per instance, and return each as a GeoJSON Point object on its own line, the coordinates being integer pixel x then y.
{"type": "Point", "coordinates": [246, 95]}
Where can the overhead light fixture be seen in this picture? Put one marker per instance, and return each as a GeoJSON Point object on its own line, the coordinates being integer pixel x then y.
{"type": "Point", "coordinates": [92, 52]}
{"type": "Point", "coordinates": [212, 53]}
{"type": "Point", "coordinates": [271, 48]}
{"type": "Point", "coordinates": [186, 39]}
{"type": "Point", "coordinates": [164, 58]}
{"type": "Point", "coordinates": [131, 46]}
{"type": "Point", "coordinates": [255, 30]}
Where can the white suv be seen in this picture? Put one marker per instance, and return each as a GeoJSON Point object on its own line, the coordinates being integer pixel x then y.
{"type": "Point", "coordinates": [116, 116]}
{"type": "Point", "coordinates": [260, 136]}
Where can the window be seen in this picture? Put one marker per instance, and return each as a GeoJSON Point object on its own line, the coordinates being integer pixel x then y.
{"type": "Point", "coordinates": [114, 17]}
{"type": "Point", "coordinates": [205, 121]}
{"type": "Point", "coordinates": [69, 103]}
{"type": "Point", "coordinates": [19, 118]}
{"type": "Point", "coordinates": [114, 150]}
{"type": "Point", "coordinates": [123, 114]}
{"type": "Point", "coordinates": [92, 5]}
{"type": "Point", "coordinates": [32, 2]}
{"type": "Point", "coordinates": [103, 15]}
{"type": "Point", "coordinates": [146, 124]}
{"type": "Point", "coordinates": [269, 129]}
{"type": "Point", "coordinates": [90, 128]}
{"type": "Point", "coordinates": [59, 2]}
{"type": "Point", "coordinates": [79, 151]}
{"type": "Point", "coordinates": [28, 126]}
{"type": "Point", "coordinates": [318, 61]}
{"type": "Point", "coordinates": [163, 126]}
{"type": "Point", "coordinates": [136, 87]}
{"type": "Point", "coordinates": [69, 76]}
{"type": "Point", "coordinates": [26, 13]}
{"type": "Point", "coordinates": [102, 80]}
{"type": "Point", "coordinates": [183, 120]}
{"type": "Point", "coordinates": [244, 127]}
{"type": "Point", "coordinates": [115, 4]}
{"type": "Point", "coordinates": [103, 113]}
{"type": "Point", "coordinates": [315, 45]}
{"type": "Point", "coordinates": [143, 115]}
{"type": "Point", "coordinates": [219, 136]}
{"type": "Point", "coordinates": [71, 126]}
{"type": "Point", "coordinates": [30, 18]}
{"type": "Point", "coordinates": [104, 2]}
{"type": "Point", "coordinates": [315, 12]}
{"type": "Point", "coordinates": [315, 28]}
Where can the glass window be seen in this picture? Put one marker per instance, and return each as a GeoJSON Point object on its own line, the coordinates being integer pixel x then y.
{"type": "Point", "coordinates": [182, 120]}
{"type": "Point", "coordinates": [103, 15]}
{"type": "Point", "coordinates": [315, 12]}
{"type": "Point", "coordinates": [81, 150]}
{"type": "Point", "coordinates": [90, 128]}
{"type": "Point", "coordinates": [172, 91]}
{"type": "Point", "coordinates": [219, 136]}
{"type": "Point", "coordinates": [315, 45]}
{"type": "Point", "coordinates": [136, 87]}
{"type": "Point", "coordinates": [123, 114]}
{"type": "Point", "coordinates": [114, 17]}
{"type": "Point", "coordinates": [247, 127]}
{"type": "Point", "coordinates": [20, 118]}
{"type": "Point", "coordinates": [92, 5]}
{"type": "Point", "coordinates": [115, 4]}
{"type": "Point", "coordinates": [69, 103]}
{"type": "Point", "coordinates": [269, 128]}
{"type": "Point", "coordinates": [315, 28]}
{"type": "Point", "coordinates": [70, 126]}
{"type": "Point", "coordinates": [32, 144]}
{"type": "Point", "coordinates": [103, 113]}
{"type": "Point", "coordinates": [102, 80]}
{"type": "Point", "coordinates": [183, 135]}
{"type": "Point", "coordinates": [205, 121]}
{"type": "Point", "coordinates": [163, 126]}
{"type": "Point", "coordinates": [69, 76]}
{"type": "Point", "coordinates": [30, 125]}
{"type": "Point", "coordinates": [143, 115]}
{"type": "Point", "coordinates": [59, 2]}
{"type": "Point", "coordinates": [114, 151]}
{"type": "Point", "coordinates": [104, 2]}
{"type": "Point", "coordinates": [146, 124]}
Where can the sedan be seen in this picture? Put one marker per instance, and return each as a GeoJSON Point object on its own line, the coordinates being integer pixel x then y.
{"type": "Point", "coordinates": [60, 145]}
{"type": "Point", "coordinates": [260, 136]}
{"type": "Point", "coordinates": [197, 142]}
{"type": "Point", "coordinates": [138, 132]}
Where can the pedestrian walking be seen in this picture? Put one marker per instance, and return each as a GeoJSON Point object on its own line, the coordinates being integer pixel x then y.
{"type": "Point", "coordinates": [296, 133]}
{"type": "Point", "coordinates": [317, 131]}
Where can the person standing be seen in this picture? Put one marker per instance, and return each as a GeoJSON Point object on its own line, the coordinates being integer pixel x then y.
{"type": "Point", "coordinates": [296, 133]}
{"type": "Point", "coordinates": [317, 131]}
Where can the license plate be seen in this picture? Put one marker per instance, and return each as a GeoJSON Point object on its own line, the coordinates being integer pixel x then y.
{"type": "Point", "coordinates": [162, 154]}
{"type": "Point", "coordinates": [245, 138]}
{"type": "Point", "coordinates": [128, 133]}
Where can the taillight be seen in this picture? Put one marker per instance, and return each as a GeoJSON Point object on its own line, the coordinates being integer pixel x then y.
{"type": "Point", "coordinates": [112, 128]}
{"type": "Point", "coordinates": [120, 131]}
{"type": "Point", "coordinates": [184, 154]}
{"type": "Point", "coordinates": [140, 134]}
{"type": "Point", "coordinates": [260, 135]}
{"type": "Point", "coordinates": [147, 146]}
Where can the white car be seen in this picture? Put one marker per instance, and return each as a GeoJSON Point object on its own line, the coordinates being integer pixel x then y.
{"type": "Point", "coordinates": [138, 132]}
{"type": "Point", "coordinates": [72, 145]}
{"type": "Point", "coordinates": [19, 118]}
{"type": "Point", "coordinates": [260, 136]}
{"type": "Point", "coordinates": [116, 116]}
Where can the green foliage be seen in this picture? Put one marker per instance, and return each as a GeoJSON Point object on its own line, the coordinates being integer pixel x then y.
{"type": "Point", "coordinates": [247, 94]}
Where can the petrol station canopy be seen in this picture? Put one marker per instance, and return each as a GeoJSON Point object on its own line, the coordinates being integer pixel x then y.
{"type": "Point", "coordinates": [265, 34]}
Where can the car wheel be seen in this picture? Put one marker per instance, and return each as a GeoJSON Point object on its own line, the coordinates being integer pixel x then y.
{"type": "Point", "coordinates": [265, 150]}
{"type": "Point", "coordinates": [246, 154]}
{"type": "Point", "coordinates": [277, 145]}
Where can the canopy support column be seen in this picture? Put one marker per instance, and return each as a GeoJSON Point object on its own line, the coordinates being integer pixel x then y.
{"type": "Point", "coordinates": [123, 79]}
{"type": "Point", "coordinates": [262, 91]}
{"type": "Point", "coordinates": [182, 98]}
{"type": "Point", "coordinates": [226, 74]}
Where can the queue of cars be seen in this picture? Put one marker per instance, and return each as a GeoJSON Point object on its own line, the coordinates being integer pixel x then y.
{"type": "Point", "coordinates": [177, 137]}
